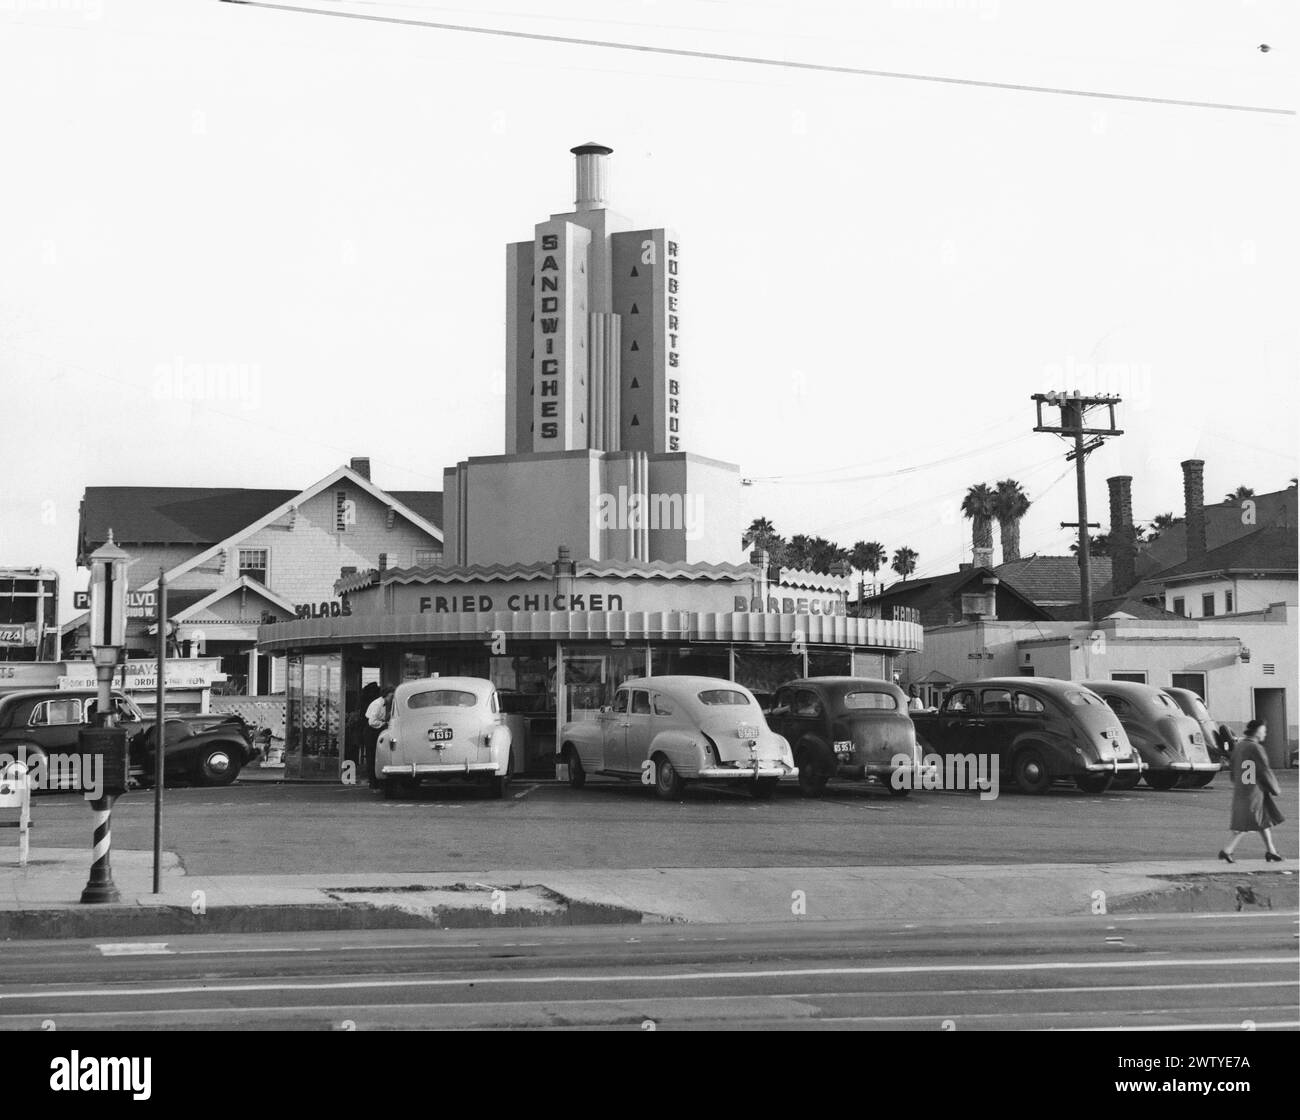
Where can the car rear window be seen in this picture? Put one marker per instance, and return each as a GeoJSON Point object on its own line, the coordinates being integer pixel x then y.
{"type": "Point", "coordinates": [1084, 698]}
{"type": "Point", "coordinates": [724, 697]}
{"type": "Point", "coordinates": [1199, 709]}
{"type": "Point", "coordinates": [876, 701]}
{"type": "Point", "coordinates": [442, 698]}
{"type": "Point", "coordinates": [1028, 705]}
{"type": "Point", "coordinates": [1168, 702]}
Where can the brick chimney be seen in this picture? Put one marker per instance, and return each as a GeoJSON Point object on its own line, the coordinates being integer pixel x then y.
{"type": "Point", "coordinates": [1123, 543]}
{"type": "Point", "coordinates": [362, 467]}
{"type": "Point", "coordinates": [1194, 503]}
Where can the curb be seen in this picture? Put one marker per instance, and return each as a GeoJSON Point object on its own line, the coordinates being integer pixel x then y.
{"type": "Point", "coordinates": [1221, 893]}
{"type": "Point", "coordinates": [126, 920]}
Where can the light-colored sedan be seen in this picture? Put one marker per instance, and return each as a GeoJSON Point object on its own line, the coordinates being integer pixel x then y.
{"type": "Point", "coordinates": [445, 728]}
{"type": "Point", "coordinates": [667, 731]}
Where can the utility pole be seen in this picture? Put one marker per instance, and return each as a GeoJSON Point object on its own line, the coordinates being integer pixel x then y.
{"type": "Point", "coordinates": [1074, 426]}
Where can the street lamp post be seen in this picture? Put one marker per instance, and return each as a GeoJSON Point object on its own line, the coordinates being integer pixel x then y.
{"type": "Point", "coordinates": [108, 643]}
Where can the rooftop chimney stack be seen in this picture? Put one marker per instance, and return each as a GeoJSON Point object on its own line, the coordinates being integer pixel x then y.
{"type": "Point", "coordinates": [1123, 540]}
{"type": "Point", "coordinates": [1194, 502]}
{"type": "Point", "coordinates": [591, 175]}
{"type": "Point", "coordinates": [361, 466]}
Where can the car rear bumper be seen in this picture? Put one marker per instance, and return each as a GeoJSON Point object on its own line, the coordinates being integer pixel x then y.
{"type": "Point", "coordinates": [413, 769]}
{"type": "Point", "coordinates": [736, 773]}
{"type": "Point", "coordinates": [1194, 767]}
{"type": "Point", "coordinates": [1115, 767]}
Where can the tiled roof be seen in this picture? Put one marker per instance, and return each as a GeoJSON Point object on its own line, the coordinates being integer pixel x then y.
{"type": "Point", "coordinates": [1270, 549]}
{"type": "Point", "coordinates": [1048, 580]}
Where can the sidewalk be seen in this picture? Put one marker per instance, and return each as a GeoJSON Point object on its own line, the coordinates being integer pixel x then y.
{"type": "Point", "coordinates": [41, 900]}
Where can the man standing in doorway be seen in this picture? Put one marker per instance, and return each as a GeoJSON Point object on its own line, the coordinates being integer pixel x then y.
{"type": "Point", "coordinates": [377, 717]}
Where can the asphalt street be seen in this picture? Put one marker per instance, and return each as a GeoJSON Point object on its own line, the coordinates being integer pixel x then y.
{"type": "Point", "coordinates": [261, 828]}
{"type": "Point", "coordinates": [1149, 972]}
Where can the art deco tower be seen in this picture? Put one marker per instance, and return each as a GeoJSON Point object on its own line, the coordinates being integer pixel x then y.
{"type": "Point", "coordinates": [592, 329]}
{"type": "Point", "coordinates": [594, 458]}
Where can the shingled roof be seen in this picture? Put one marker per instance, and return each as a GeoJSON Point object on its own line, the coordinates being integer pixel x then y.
{"type": "Point", "coordinates": [1053, 580]}
{"type": "Point", "coordinates": [196, 516]}
{"type": "Point", "coordinates": [161, 515]}
{"type": "Point", "coordinates": [1270, 549]}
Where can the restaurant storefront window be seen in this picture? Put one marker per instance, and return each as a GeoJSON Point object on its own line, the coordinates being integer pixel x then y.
{"type": "Point", "coordinates": [763, 669]}
{"type": "Point", "coordinates": [830, 663]}
{"type": "Point", "coordinates": [314, 715]}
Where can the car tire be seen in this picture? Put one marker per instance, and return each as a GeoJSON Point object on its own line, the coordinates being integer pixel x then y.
{"type": "Point", "coordinates": [218, 765]}
{"type": "Point", "coordinates": [577, 775]}
{"type": "Point", "coordinates": [1125, 781]}
{"type": "Point", "coordinates": [668, 783]}
{"type": "Point", "coordinates": [1162, 780]}
{"type": "Point", "coordinates": [1031, 773]}
{"type": "Point", "coordinates": [763, 788]}
{"type": "Point", "coordinates": [1203, 778]}
{"type": "Point", "coordinates": [501, 782]}
{"type": "Point", "coordinates": [1093, 783]}
{"type": "Point", "coordinates": [812, 778]}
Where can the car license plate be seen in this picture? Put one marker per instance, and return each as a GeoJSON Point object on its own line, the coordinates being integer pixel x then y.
{"type": "Point", "coordinates": [440, 734]}
{"type": "Point", "coordinates": [844, 749]}
{"type": "Point", "coordinates": [746, 731]}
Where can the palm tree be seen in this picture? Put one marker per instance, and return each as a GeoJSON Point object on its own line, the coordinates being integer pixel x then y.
{"type": "Point", "coordinates": [1010, 504]}
{"type": "Point", "coordinates": [760, 531]}
{"type": "Point", "coordinates": [799, 551]}
{"type": "Point", "coordinates": [904, 562]}
{"type": "Point", "coordinates": [1098, 545]}
{"type": "Point", "coordinates": [1159, 524]}
{"type": "Point", "coordinates": [762, 534]}
{"type": "Point", "coordinates": [1238, 495]}
{"type": "Point", "coordinates": [868, 556]}
{"type": "Point", "coordinates": [978, 506]}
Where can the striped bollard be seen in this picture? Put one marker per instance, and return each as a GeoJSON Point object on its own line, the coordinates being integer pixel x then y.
{"type": "Point", "coordinates": [100, 887]}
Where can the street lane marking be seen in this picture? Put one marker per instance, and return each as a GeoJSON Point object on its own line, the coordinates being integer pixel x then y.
{"type": "Point", "coordinates": [136, 949]}
{"type": "Point", "coordinates": [1182, 1027]}
{"type": "Point", "coordinates": [888, 970]}
{"type": "Point", "coordinates": [223, 952]}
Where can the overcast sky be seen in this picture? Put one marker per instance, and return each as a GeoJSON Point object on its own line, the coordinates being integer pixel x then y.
{"type": "Point", "coordinates": [877, 272]}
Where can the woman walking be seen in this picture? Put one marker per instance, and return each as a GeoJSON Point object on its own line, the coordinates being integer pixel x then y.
{"type": "Point", "coordinates": [1254, 790]}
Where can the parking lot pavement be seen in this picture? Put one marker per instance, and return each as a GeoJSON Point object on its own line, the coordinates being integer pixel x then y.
{"type": "Point", "coordinates": [263, 856]}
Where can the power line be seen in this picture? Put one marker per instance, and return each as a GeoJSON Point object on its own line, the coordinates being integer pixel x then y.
{"type": "Point", "coordinates": [800, 480]}
{"type": "Point", "coordinates": [754, 60]}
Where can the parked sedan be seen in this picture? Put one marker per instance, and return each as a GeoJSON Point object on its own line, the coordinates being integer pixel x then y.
{"type": "Point", "coordinates": [207, 749]}
{"type": "Point", "coordinates": [847, 727]}
{"type": "Point", "coordinates": [667, 731]}
{"type": "Point", "coordinates": [1218, 739]}
{"type": "Point", "coordinates": [445, 728]}
{"type": "Point", "coordinates": [1040, 729]}
{"type": "Point", "coordinates": [1170, 743]}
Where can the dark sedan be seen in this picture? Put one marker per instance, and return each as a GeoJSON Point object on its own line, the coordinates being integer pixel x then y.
{"type": "Point", "coordinates": [847, 727]}
{"type": "Point", "coordinates": [1171, 744]}
{"type": "Point", "coordinates": [207, 749]}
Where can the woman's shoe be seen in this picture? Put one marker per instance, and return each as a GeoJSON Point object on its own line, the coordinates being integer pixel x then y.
{"type": "Point", "coordinates": [1272, 857]}
{"type": "Point", "coordinates": [1225, 857]}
